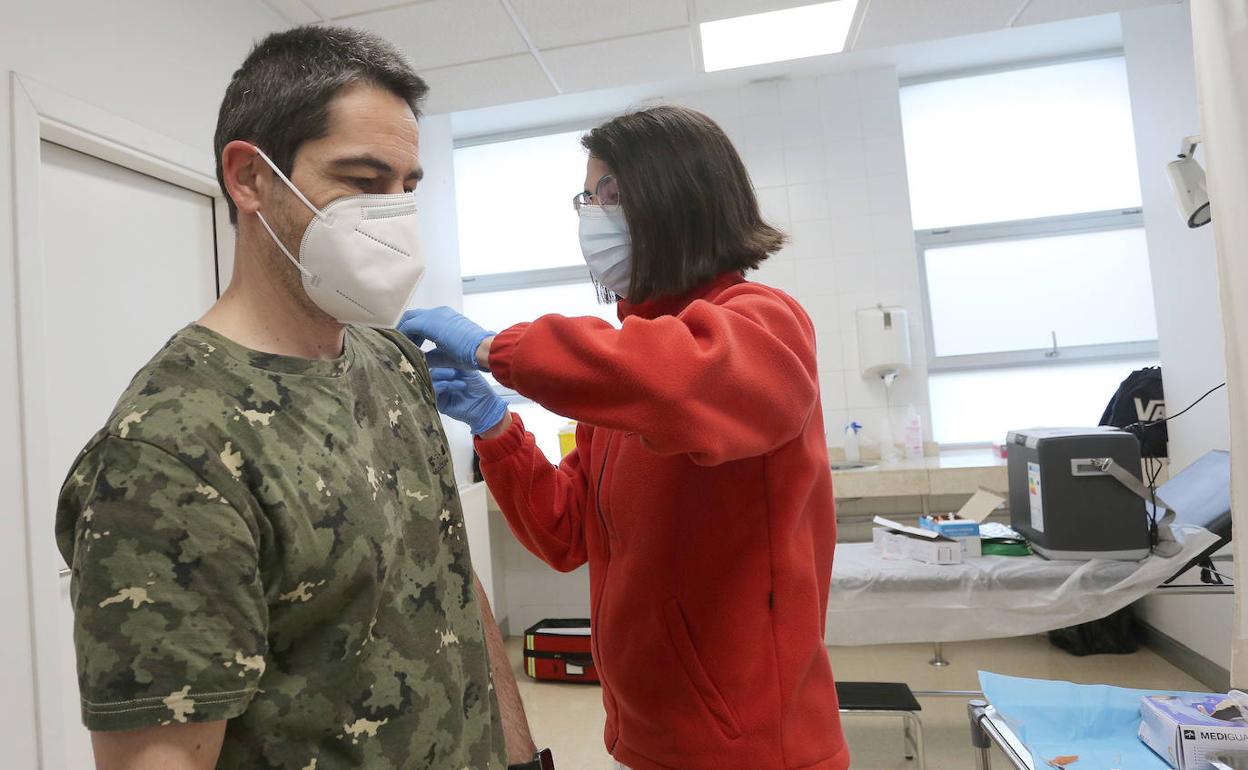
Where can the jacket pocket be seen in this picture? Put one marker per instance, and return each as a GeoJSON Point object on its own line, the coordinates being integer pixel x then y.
{"type": "Point", "coordinates": [682, 642]}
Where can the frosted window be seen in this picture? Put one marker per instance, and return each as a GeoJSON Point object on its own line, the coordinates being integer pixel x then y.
{"type": "Point", "coordinates": [514, 203]}
{"type": "Point", "coordinates": [1022, 144]}
{"type": "Point", "coordinates": [1089, 288]}
{"type": "Point", "coordinates": [982, 406]}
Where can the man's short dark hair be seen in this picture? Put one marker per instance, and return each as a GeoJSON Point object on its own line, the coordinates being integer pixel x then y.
{"type": "Point", "coordinates": [691, 209]}
{"type": "Point", "coordinates": [279, 98]}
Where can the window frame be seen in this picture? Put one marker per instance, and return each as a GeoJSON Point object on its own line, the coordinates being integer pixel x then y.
{"type": "Point", "coordinates": [538, 277]}
{"type": "Point", "coordinates": [1023, 229]}
{"type": "Point", "coordinates": [1017, 230]}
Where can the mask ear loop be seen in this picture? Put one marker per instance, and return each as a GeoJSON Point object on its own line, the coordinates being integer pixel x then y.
{"type": "Point", "coordinates": [312, 278]}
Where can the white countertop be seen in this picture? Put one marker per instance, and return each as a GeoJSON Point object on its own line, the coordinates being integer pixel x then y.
{"type": "Point", "coordinates": [949, 472]}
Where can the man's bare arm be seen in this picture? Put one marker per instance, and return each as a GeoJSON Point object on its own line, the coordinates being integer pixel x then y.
{"type": "Point", "coordinates": [520, 746]}
{"type": "Point", "coordinates": [191, 746]}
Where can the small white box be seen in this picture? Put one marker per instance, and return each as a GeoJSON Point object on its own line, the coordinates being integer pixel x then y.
{"type": "Point", "coordinates": [929, 551]}
{"type": "Point", "coordinates": [972, 547]}
{"type": "Point", "coordinates": [1184, 733]}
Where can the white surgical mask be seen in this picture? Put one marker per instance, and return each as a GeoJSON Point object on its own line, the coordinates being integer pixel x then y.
{"type": "Point", "coordinates": [360, 256]}
{"type": "Point", "coordinates": [607, 247]}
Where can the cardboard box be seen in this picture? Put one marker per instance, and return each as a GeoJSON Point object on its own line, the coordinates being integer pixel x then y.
{"type": "Point", "coordinates": [1183, 732]}
{"type": "Point", "coordinates": [929, 551]}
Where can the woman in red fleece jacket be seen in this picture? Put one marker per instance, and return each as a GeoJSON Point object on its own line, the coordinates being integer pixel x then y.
{"type": "Point", "coordinates": [700, 491]}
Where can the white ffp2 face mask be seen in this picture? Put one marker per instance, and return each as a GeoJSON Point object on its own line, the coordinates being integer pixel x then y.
{"type": "Point", "coordinates": [360, 256]}
{"type": "Point", "coordinates": [607, 247]}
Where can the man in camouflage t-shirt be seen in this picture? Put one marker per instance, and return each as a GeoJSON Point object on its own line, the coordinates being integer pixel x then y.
{"type": "Point", "coordinates": [270, 568]}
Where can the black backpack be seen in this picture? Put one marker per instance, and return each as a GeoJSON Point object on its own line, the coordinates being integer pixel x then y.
{"type": "Point", "coordinates": [1137, 406]}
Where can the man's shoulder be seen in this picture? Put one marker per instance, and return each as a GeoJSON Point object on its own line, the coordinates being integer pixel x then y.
{"type": "Point", "coordinates": [393, 349]}
{"type": "Point", "coordinates": [390, 343]}
{"type": "Point", "coordinates": [187, 383]}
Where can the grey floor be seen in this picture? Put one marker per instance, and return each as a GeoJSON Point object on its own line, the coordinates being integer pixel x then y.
{"type": "Point", "coordinates": [569, 718]}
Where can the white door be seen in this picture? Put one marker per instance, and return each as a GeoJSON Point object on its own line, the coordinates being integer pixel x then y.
{"type": "Point", "coordinates": [127, 260]}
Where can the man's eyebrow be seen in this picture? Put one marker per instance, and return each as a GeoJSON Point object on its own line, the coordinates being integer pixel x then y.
{"type": "Point", "coordinates": [376, 164]}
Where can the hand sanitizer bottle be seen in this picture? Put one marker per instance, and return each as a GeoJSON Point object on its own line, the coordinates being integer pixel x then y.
{"type": "Point", "coordinates": [914, 434]}
{"type": "Point", "coordinates": [853, 453]}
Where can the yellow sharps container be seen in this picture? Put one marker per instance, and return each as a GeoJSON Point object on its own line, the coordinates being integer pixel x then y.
{"type": "Point", "coordinates": [567, 439]}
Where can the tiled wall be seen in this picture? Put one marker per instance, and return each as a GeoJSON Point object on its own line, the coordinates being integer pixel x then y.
{"type": "Point", "coordinates": [827, 158]}
{"type": "Point", "coordinates": [532, 590]}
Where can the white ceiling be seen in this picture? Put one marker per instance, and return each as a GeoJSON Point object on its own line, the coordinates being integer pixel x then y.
{"type": "Point", "coordinates": [478, 53]}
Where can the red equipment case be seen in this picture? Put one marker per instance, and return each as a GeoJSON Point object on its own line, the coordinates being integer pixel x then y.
{"type": "Point", "coordinates": [560, 651]}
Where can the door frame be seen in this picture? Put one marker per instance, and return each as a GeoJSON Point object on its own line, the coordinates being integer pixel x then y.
{"type": "Point", "coordinates": [41, 113]}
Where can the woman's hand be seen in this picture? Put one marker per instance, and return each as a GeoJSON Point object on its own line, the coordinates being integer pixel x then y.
{"type": "Point", "coordinates": [467, 397]}
{"type": "Point", "coordinates": [457, 338]}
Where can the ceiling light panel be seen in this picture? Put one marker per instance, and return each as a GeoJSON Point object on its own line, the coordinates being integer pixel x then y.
{"type": "Point", "coordinates": [792, 33]}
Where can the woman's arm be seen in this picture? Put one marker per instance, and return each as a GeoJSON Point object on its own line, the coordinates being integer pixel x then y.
{"type": "Point", "coordinates": [545, 504]}
{"type": "Point", "coordinates": [718, 382]}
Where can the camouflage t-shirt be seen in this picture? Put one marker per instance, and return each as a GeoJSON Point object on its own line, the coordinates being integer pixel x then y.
{"type": "Point", "coordinates": [278, 542]}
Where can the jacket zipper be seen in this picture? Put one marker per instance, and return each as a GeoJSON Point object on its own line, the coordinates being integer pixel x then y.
{"type": "Point", "coordinates": [602, 474]}
{"type": "Point", "coordinates": [602, 518]}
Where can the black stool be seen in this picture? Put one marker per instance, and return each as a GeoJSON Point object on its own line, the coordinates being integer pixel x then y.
{"type": "Point", "coordinates": [889, 699]}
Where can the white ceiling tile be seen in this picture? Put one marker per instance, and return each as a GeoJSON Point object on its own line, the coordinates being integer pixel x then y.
{"type": "Point", "coordinates": [892, 22]}
{"type": "Point", "coordinates": [639, 59]}
{"type": "Point", "coordinates": [483, 84]}
{"type": "Point", "coordinates": [710, 10]}
{"type": "Point", "coordinates": [294, 11]}
{"type": "Point", "coordinates": [558, 23]}
{"type": "Point", "coordinates": [1041, 11]}
{"type": "Point", "coordinates": [334, 9]}
{"type": "Point", "coordinates": [441, 33]}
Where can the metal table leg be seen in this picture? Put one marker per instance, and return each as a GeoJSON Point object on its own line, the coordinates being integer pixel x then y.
{"type": "Point", "coordinates": [984, 734]}
{"type": "Point", "coordinates": [979, 739]}
{"type": "Point", "coordinates": [914, 735]}
{"type": "Point", "coordinates": [938, 660]}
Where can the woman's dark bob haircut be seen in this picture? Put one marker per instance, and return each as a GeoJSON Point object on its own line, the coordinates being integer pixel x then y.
{"type": "Point", "coordinates": [687, 197]}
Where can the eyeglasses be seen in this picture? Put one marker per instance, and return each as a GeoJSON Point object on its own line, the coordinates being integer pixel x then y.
{"type": "Point", "coordinates": [606, 193]}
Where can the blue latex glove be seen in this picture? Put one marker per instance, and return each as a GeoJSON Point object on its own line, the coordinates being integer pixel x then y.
{"type": "Point", "coordinates": [457, 337]}
{"type": "Point", "coordinates": [467, 397]}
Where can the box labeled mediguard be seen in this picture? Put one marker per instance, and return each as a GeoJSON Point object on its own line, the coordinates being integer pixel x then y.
{"type": "Point", "coordinates": [951, 527]}
{"type": "Point", "coordinates": [1185, 730]}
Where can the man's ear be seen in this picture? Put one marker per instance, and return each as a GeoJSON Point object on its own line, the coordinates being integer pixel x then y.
{"type": "Point", "coordinates": [245, 176]}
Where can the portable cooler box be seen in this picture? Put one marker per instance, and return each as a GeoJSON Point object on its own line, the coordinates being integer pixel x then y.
{"type": "Point", "coordinates": [559, 651]}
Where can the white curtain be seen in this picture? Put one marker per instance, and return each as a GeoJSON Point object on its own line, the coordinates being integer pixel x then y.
{"type": "Point", "coordinates": [1220, 32]}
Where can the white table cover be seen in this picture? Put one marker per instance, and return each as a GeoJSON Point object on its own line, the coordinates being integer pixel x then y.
{"type": "Point", "coordinates": [886, 601]}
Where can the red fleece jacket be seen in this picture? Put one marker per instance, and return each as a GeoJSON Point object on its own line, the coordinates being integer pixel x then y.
{"type": "Point", "coordinates": [701, 496]}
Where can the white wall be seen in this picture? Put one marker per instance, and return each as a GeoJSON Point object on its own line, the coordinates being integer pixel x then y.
{"type": "Point", "coordinates": [827, 158]}
{"type": "Point", "coordinates": [440, 237]}
{"type": "Point", "coordinates": [1158, 43]}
